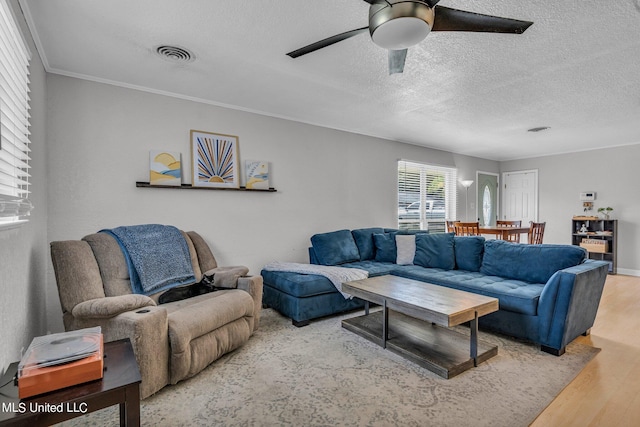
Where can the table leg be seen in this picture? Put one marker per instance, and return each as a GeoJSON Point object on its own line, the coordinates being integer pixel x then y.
{"type": "Point", "coordinates": [474, 339]}
{"type": "Point", "coordinates": [385, 324]}
{"type": "Point", "coordinates": [130, 408]}
{"type": "Point", "coordinates": [366, 308]}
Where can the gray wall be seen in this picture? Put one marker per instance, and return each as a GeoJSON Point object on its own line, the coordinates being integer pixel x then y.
{"type": "Point", "coordinates": [611, 173]}
{"type": "Point", "coordinates": [24, 250]}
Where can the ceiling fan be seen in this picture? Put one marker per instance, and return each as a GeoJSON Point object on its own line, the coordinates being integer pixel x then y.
{"type": "Point", "coordinates": [397, 25]}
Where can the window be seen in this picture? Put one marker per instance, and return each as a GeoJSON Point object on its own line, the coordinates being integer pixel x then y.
{"type": "Point", "coordinates": [14, 121]}
{"type": "Point", "coordinates": [487, 203]}
{"type": "Point", "coordinates": [426, 196]}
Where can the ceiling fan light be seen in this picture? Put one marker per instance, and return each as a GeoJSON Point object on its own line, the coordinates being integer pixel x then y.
{"type": "Point", "coordinates": [400, 33]}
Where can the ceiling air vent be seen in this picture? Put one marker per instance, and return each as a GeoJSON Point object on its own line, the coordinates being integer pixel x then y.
{"type": "Point", "coordinates": [538, 129]}
{"type": "Point", "coordinates": [175, 54]}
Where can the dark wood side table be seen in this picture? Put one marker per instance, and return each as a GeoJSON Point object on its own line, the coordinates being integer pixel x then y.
{"type": "Point", "coordinates": [119, 385]}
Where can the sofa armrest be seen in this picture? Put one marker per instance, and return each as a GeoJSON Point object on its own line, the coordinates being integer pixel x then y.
{"type": "Point", "coordinates": [569, 303]}
{"type": "Point", "coordinates": [253, 285]}
{"type": "Point", "coordinates": [227, 277]}
{"type": "Point", "coordinates": [147, 329]}
{"type": "Point", "coordinates": [104, 308]}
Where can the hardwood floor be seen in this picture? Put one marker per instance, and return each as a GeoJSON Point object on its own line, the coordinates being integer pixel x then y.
{"type": "Point", "coordinates": [607, 391]}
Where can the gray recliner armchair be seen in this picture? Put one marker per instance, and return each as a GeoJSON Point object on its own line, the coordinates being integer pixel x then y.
{"type": "Point", "coordinates": [171, 341]}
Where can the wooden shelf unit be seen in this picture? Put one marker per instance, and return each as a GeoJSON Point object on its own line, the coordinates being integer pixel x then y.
{"type": "Point", "coordinates": [595, 229]}
{"type": "Point", "coordinates": [143, 184]}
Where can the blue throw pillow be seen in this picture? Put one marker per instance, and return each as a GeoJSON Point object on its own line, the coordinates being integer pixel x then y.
{"type": "Point", "coordinates": [435, 251]}
{"type": "Point", "coordinates": [469, 250]}
{"type": "Point", "coordinates": [337, 247]}
{"type": "Point", "coordinates": [364, 241]}
{"type": "Point", "coordinates": [385, 244]}
{"type": "Point", "coordinates": [530, 263]}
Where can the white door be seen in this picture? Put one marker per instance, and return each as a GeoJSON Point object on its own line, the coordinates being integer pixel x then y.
{"type": "Point", "coordinates": [520, 196]}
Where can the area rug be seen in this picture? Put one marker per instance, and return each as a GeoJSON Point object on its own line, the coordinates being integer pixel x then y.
{"type": "Point", "coordinates": [324, 375]}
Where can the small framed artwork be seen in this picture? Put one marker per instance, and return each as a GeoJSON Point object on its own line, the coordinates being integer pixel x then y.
{"type": "Point", "coordinates": [164, 168]}
{"type": "Point", "coordinates": [257, 175]}
{"type": "Point", "coordinates": [214, 160]}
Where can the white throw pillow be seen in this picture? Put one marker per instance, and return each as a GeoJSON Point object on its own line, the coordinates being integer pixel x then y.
{"type": "Point", "coordinates": [406, 245]}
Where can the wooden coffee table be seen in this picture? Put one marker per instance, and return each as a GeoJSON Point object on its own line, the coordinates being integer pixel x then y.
{"type": "Point", "coordinates": [415, 321]}
{"type": "Point", "coordinates": [119, 386]}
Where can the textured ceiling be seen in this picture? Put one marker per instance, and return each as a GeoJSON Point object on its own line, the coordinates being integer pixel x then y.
{"type": "Point", "coordinates": [575, 70]}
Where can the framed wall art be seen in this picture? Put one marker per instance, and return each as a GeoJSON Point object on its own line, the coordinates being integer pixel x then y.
{"type": "Point", "coordinates": [257, 175]}
{"type": "Point", "coordinates": [214, 160]}
{"type": "Point", "coordinates": [164, 168]}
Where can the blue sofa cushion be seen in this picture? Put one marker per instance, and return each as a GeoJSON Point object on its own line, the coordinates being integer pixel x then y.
{"type": "Point", "coordinates": [337, 247]}
{"type": "Point", "coordinates": [364, 241]}
{"type": "Point", "coordinates": [469, 250]}
{"type": "Point", "coordinates": [385, 244]}
{"type": "Point", "coordinates": [374, 268]}
{"type": "Point", "coordinates": [514, 295]}
{"type": "Point", "coordinates": [435, 251]}
{"type": "Point", "coordinates": [530, 263]}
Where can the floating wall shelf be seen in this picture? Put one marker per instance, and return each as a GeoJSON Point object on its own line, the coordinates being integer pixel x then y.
{"type": "Point", "coordinates": [190, 187]}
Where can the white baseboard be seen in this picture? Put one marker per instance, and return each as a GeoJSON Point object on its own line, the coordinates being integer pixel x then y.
{"type": "Point", "coordinates": [629, 272]}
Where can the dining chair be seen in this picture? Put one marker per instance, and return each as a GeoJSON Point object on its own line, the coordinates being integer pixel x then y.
{"type": "Point", "coordinates": [467, 228]}
{"type": "Point", "coordinates": [536, 232]}
{"type": "Point", "coordinates": [511, 237]}
{"type": "Point", "coordinates": [451, 226]}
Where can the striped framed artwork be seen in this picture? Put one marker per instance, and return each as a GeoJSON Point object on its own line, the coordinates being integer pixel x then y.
{"type": "Point", "coordinates": [214, 160]}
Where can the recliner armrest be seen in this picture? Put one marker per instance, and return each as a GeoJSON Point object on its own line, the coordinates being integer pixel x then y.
{"type": "Point", "coordinates": [147, 329]}
{"type": "Point", "coordinates": [107, 307]}
{"type": "Point", "coordinates": [227, 277]}
{"type": "Point", "coordinates": [146, 326]}
{"type": "Point", "coordinates": [253, 285]}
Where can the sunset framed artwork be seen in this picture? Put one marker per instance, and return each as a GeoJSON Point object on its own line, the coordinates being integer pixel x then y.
{"type": "Point", "coordinates": [214, 160]}
{"type": "Point", "coordinates": [165, 168]}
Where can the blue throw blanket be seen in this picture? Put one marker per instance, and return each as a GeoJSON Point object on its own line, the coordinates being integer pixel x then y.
{"type": "Point", "coordinates": [157, 256]}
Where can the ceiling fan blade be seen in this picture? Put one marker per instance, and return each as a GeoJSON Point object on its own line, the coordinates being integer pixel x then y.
{"type": "Point", "coordinates": [448, 19]}
{"type": "Point", "coordinates": [396, 61]}
{"type": "Point", "coordinates": [326, 42]}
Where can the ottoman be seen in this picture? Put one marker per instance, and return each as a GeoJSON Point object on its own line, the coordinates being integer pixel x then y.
{"type": "Point", "coordinates": [303, 297]}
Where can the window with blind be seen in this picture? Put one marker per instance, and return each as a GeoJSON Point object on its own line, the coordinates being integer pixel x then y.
{"type": "Point", "coordinates": [426, 196]}
{"type": "Point", "coordinates": [14, 121]}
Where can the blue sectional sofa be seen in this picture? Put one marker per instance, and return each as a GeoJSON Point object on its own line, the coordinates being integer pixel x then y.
{"type": "Point", "coordinates": [548, 294]}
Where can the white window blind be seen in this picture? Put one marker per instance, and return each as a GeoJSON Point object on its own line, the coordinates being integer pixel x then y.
{"type": "Point", "coordinates": [14, 120]}
{"type": "Point", "coordinates": [426, 196]}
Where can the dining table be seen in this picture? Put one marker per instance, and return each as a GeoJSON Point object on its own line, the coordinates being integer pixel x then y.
{"type": "Point", "coordinates": [501, 231]}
